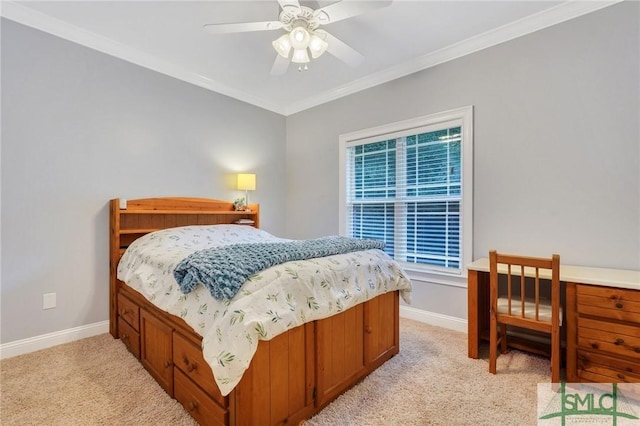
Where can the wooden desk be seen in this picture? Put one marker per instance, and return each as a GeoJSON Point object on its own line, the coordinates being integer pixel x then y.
{"type": "Point", "coordinates": [478, 294]}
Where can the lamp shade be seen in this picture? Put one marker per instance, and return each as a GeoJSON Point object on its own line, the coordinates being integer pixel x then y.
{"type": "Point", "coordinates": [246, 181]}
{"type": "Point", "coordinates": [282, 45]}
{"type": "Point", "coordinates": [317, 46]}
{"type": "Point", "coordinates": [300, 56]}
{"type": "Point", "coordinates": [299, 38]}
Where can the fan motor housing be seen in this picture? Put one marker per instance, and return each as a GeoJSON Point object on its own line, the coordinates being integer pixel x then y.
{"type": "Point", "coordinates": [291, 15]}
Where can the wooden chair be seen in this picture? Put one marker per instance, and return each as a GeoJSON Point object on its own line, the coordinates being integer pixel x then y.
{"type": "Point", "coordinates": [522, 308]}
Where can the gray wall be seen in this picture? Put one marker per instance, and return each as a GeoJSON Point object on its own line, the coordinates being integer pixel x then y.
{"type": "Point", "coordinates": [556, 149]}
{"type": "Point", "coordinates": [79, 128]}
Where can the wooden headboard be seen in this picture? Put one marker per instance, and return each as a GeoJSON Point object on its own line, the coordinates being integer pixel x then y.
{"type": "Point", "coordinates": [131, 219]}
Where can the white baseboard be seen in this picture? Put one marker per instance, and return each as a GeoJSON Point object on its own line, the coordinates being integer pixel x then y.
{"type": "Point", "coordinates": [432, 318]}
{"type": "Point", "coordinates": [32, 344]}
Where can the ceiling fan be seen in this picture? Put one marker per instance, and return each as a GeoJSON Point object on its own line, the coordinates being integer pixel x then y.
{"type": "Point", "coordinates": [303, 34]}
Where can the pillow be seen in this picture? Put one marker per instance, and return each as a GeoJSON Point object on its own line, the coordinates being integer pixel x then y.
{"type": "Point", "coordinates": [196, 237]}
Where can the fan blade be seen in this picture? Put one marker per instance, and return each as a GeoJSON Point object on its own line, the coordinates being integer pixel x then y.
{"type": "Point", "coordinates": [242, 27]}
{"type": "Point", "coordinates": [341, 50]}
{"type": "Point", "coordinates": [280, 65]}
{"type": "Point", "coordinates": [294, 3]}
{"type": "Point", "coordinates": [346, 9]}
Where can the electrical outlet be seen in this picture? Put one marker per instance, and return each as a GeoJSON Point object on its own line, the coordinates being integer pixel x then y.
{"type": "Point", "coordinates": [48, 301]}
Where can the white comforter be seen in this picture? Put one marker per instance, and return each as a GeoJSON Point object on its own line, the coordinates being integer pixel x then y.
{"type": "Point", "coordinates": [269, 303]}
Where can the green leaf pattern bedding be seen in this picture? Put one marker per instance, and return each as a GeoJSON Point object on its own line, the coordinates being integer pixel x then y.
{"type": "Point", "coordinates": [269, 303]}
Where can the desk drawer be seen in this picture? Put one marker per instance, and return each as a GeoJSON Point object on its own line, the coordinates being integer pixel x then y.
{"type": "Point", "coordinates": [609, 337]}
{"type": "Point", "coordinates": [593, 365]}
{"type": "Point", "coordinates": [607, 302]}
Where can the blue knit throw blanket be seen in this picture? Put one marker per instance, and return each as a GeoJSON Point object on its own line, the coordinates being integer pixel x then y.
{"type": "Point", "coordinates": [223, 270]}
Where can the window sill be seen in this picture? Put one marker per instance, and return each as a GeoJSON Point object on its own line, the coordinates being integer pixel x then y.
{"type": "Point", "coordinates": [441, 278]}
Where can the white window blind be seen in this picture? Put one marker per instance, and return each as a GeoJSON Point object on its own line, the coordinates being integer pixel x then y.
{"type": "Point", "coordinates": [405, 188]}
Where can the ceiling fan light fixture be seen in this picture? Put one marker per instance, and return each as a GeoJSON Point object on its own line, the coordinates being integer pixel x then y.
{"type": "Point", "coordinates": [317, 46]}
{"type": "Point", "coordinates": [282, 45]}
{"type": "Point", "coordinates": [303, 36]}
{"type": "Point", "coordinates": [299, 37]}
{"type": "Point", "coordinates": [300, 56]}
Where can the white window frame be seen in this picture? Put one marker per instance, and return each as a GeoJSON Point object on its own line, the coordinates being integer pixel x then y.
{"type": "Point", "coordinates": [462, 115]}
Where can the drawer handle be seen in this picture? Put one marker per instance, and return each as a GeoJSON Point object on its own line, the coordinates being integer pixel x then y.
{"type": "Point", "coordinates": [168, 364]}
{"type": "Point", "coordinates": [619, 305]}
{"type": "Point", "coordinates": [621, 376]}
{"type": "Point", "coordinates": [637, 349]}
{"type": "Point", "coordinates": [191, 367]}
{"type": "Point", "coordinates": [368, 329]}
{"type": "Point", "coordinates": [192, 406]}
{"type": "Point", "coordinates": [619, 342]}
{"type": "Point", "coordinates": [124, 337]}
{"type": "Point", "coordinates": [594, 345]}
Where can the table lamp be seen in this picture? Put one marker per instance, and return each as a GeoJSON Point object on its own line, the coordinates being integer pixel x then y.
{"type": "Point", "coordinates": [246, 183]}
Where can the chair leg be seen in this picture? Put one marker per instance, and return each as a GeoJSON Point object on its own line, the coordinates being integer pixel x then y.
{"type": "Point", "coordinates": [555, 356]}
{"type": "Point", "coordinates": [493, 343]}
{"type": "Point", "coordinates": [503, 339]}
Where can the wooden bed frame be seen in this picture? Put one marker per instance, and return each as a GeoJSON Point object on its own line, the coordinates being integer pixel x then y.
{"type": "Point", "coordinates": [291, 377]}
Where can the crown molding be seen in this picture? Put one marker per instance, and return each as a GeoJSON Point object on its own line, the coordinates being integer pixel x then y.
{"type": "Point", "coordinates": [563, 12]}
{"type": "Point", "coordinates": [558, 14]}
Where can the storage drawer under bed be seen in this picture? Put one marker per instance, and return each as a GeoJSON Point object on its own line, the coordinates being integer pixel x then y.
{"type": "Point", "coordinates": [129, 311]}
{"type": "Point", "coordinates": [188, 358]}
{"type": "Point", "coordinates": [130, 337]}
{"type": "Point", "coordinates": [202, 407]}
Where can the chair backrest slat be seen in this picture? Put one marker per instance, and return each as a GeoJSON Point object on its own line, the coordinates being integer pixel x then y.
{"type": "Point", "coordinates": [530, 275]}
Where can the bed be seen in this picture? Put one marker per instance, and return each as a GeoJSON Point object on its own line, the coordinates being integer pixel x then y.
{"type": "Point", "coordinates": [342, 325]}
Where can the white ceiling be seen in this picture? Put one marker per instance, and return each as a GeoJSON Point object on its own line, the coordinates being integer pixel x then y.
{"type": "Point", "coordinates": [402, 38]}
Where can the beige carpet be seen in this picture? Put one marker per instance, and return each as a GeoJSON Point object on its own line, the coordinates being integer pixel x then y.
{"type": "Point", "coordinates": [96, 381]}
{"type": "Point", "coordinates": [93, 381]}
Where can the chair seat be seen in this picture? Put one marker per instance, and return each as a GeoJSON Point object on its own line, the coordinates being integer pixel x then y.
{"type": "Point", "coordinates": [544, 312]}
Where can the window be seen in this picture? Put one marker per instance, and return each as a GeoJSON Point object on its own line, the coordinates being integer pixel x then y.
{"type": "Point", "coordinates": [409, 185]}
